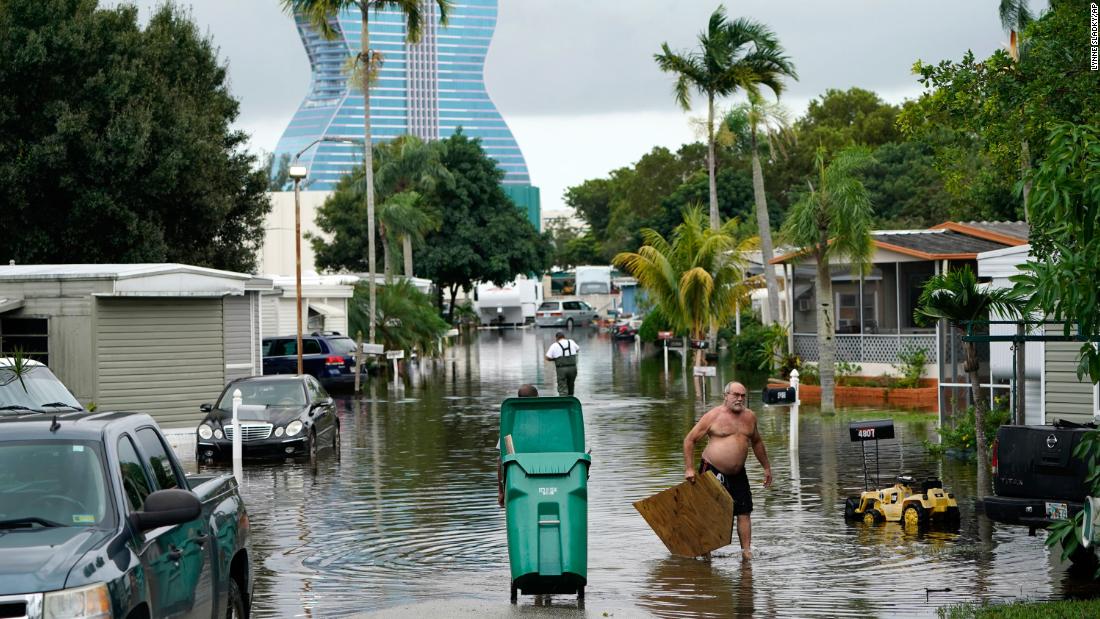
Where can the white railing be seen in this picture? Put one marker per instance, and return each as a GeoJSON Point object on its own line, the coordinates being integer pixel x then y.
{"type": "Point", "coordinates": [868, 347]}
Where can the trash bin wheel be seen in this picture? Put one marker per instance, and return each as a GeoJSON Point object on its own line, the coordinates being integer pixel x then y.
{"type": "Point", "coordinates": [515, 593]}
{"type": "Point", "coordinates": [580, 597]}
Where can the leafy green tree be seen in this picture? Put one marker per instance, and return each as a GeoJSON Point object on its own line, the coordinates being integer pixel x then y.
{"type": "Point", "coordinates": [696, 278]}
{"type": "Point", "coordinates": [834, 121]}
{"type": "Point", "coordinates": [115, 141]}
{"type": "Point", "coordinates": [732, 55]}
{"type": "Point", "coordinates": [323, 15]}
{"type": "Point", "coordinates": [907, 189]}
{"type": "Point", "coordinates": [957, 297]}
{"type": "Point", "coordinates": [572, 248]}
{"type": "Point", "coordinates": [980, 113]}
{"type": "Point", "coordinates": [833, 222]}
{"type": "Point", "coordinates": [637, 199]}
{"type": "Point", "coordinates": [483, 236]}
{"type": "Point", "coordinates": [592, 202]}
{"type": "Point", "coordinates": [1060, 276]}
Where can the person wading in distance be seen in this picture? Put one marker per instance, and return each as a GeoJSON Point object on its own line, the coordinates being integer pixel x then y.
{"type": "Point", "coordinates": [731, 430]}
{"type": "Point", "coordinates": [563, 352]}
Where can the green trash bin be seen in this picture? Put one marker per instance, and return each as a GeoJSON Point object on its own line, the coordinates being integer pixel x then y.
{"type": "Point", "coordinates": [546, 495]}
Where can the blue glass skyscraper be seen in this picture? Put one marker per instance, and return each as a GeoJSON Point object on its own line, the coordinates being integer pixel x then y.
{"type": "Point", "coordinates": [428, 89]}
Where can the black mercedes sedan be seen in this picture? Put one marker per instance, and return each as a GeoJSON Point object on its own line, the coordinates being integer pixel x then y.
{"type": "Point", "coordinates": [280, 416]}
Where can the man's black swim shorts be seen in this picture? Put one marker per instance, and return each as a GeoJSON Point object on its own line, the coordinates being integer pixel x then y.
{"type": "Point", "coordinates": [737, 485]}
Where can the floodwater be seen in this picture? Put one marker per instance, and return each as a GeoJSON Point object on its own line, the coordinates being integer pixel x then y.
{"type": "Point", "coordinates": [406, 521]}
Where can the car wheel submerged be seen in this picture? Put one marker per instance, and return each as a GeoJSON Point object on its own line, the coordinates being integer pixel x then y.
{"type": "Point", "coordinates": [336, 441]}
{"type": "Point", "coordinates": [569, 324]}
{"type": "Point", "coordinates": [311, 447]}
{"type": "Point", "coordinates": [234, 609]}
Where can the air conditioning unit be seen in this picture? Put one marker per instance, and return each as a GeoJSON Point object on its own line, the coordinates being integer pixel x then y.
{"type": "Point", "coordinates": [805, 305]}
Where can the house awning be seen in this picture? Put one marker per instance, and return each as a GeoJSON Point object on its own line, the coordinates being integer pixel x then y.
{"type": "Point", "coordinates": [7, 305]}
{"type": "Point", "coordinates": [325, 309]}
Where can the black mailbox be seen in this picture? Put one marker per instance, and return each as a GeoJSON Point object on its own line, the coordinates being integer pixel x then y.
{"type": "Point", "coordinates": [700, 344]}
{"type": "Point", "coordinates": [871, 430]}
{"type": "Point", "coordinates": [778, 395]}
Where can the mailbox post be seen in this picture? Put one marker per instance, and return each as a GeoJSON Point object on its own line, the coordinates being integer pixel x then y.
{"type": "Point", "coordinates": [395, 355]}
{"type": "Point", "coordinates": [703, 372]}
{"type": "Point", "coordinates": [863, 431]}
{"type": "Point", "coordinates": [665, 336]}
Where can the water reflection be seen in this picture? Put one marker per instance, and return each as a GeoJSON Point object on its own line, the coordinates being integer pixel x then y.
{"type": "Point", "coordinates": [408, 514]}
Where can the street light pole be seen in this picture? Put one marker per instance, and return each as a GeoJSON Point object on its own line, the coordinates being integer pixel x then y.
{"type": "Point", "coordinates": [299, 172]}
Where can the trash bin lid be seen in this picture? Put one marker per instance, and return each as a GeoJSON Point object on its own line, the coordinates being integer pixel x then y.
{"type": "Point", "coordinates": [539, 425]}
{"type": "Point", "coordinates": [556, 463]}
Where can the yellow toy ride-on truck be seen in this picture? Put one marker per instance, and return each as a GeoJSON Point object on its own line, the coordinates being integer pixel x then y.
{"type": "Point", "coordinates": [901, 503]}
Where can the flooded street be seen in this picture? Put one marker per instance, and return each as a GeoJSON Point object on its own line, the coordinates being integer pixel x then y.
{"type": "Point", "coordinates": [408, 514]}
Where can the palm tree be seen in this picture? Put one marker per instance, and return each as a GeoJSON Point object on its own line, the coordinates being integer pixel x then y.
{"type": "Point", "coordinates": [322, 14]}
{"type": "Point", "coordinates": [1015, 16]}
{"type": "Point", "coordinates": [742, 54]}
{"type": "Point", "coordinates": [696, 278]}
{"type": "Point", "coordinates": [407, 318]}
{"type": "Point", "coordinates": [763, 121]}
{"type": "Point", "coordinates": [401, 217]}
{"type": "Point", "coordinates": [957, 297]}
{"type": "Point", "coordinates": [410, 164]}
{"type": "Point", "coordinates": [832, 221]}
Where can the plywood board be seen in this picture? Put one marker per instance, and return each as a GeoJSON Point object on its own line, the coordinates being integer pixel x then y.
{"type": "Point", "coordinates": [691, 519]}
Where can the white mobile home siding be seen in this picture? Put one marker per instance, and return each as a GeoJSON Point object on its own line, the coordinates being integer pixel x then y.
{"type": "Point", "coordinates": [1066, 397]}
{"type": "Point", "coordinates": [239, 355]}
{"type": "Point", "coordinates": [159, 356]}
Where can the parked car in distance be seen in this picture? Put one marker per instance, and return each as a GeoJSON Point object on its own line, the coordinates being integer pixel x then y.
{"type": "Point", "coordinates": [280, 416]}
{"type": "Point", "coordinates": [98, 520]}
{"type": "Point", "coordinates": [565, 313]}
{"type": "Point", "coordinates": [330, 358]}
{"type": "Point", "coordinates": [27, 385]}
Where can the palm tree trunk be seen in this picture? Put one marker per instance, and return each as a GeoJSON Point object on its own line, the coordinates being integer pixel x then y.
{"type": "Point", "coordinates": [387, 258]}
{"type": "Point", "coordinates": [765, 229]}
{"type": "Point", "coordinates": [714, 222]}
{"type": "Point", "coordinates": [826, 338]}
{"type": "Point", "coordinates": [1025, 167]}
{"type": "Point", "coordinates": [407, 246]}
{"type": "Point", "coordinates": [971, 366]}
{"type": "Point", "coordinates": [368, 165]}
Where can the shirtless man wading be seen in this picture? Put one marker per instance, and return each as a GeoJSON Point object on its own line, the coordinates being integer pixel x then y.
{"type": "Point", "coordinates": [730, 430]}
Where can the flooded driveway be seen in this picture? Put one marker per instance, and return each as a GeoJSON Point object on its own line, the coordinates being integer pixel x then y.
{"type": "Point", "coordinates": [407, 518]}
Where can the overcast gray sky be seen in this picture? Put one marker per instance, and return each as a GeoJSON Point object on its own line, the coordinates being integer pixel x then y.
{"type": "Point", "coordinates": [576, 81]}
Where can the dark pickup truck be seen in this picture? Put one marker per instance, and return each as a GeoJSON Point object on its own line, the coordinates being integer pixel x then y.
{"type": "Point", "coordinates": [98, 520]}
{"type": "Point", "coordinates": [1036, 479]}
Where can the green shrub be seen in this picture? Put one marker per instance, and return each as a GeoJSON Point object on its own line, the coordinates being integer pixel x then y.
{"type": "Point", "coordinates": [807, 374]}
{"type": "Point", "coordinates": [653, 322]}
{"type": "Point", "coordinates": [959, 434]}
{"type": "Point", "coordinates": [911, 367]}
{"type": "Point", "coordinates": [759, 347]}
